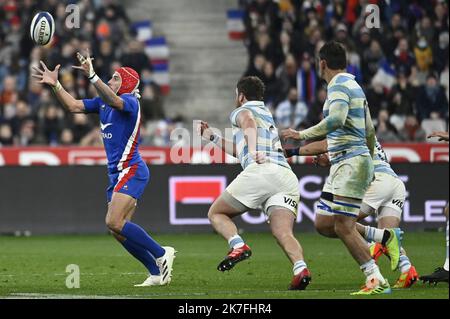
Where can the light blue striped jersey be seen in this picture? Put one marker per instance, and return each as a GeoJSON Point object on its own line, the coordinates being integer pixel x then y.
{"type": "Point", "coordinates": [349, 140]}
{"type": "Point", "coordinates": [268, 140]}
{"type": "Point", "coordinates": [380, 161]}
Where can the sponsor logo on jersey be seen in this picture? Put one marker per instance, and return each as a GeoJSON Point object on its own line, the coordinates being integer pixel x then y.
{"type": "Point", "coordinates": [398, 202]}
{"type": "Point", "coordinates": [104, 126]}
{"type": "Point", "coordinates": [290, 202]}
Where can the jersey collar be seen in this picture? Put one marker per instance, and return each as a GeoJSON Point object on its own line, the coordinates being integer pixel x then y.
{"type": "Point", "coordinates": [342, 74]}
{"type": "Point", "coordinates": [253, 103]}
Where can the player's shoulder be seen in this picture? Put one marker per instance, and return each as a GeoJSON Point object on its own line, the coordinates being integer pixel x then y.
{"type": "Point", "coordinates": [129, 97]}
{"type": "Point", "coordinates": [342, 80]}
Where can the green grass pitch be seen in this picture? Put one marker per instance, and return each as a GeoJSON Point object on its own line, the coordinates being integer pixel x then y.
{"type": "Point", "coordinates": [34, 267]}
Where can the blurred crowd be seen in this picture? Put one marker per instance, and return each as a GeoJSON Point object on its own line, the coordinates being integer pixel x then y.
{"type": "Point", "coordinates": [402, 65]}
{"type": "Point", "coordinates": [29, 113]}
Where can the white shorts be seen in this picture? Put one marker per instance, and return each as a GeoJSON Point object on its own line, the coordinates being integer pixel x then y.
{"type": "Point", "coordinates": [351, 177]}
{"type": "Point", "coordinates": [261, 186]}
{"type": "Point", "coordinates": [386, 191]}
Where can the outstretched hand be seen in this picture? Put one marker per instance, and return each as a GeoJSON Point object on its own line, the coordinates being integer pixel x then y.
{"type": "Point", "coordinates": [85, 64]}
{"type": "Point", "coordinates": [204, 130]}
{"type": "Point", "coordinates": [45, 75]}
{"type": "Point", "coordinates": [290, 133]}
{"type": "Point", "coordinates": [443, 136]}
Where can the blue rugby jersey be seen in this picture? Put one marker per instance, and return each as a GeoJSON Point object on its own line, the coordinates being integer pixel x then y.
{"type": "Point", "coordinates": [268, 140]}
{"type": "Point", "coordinates": [119, 130]}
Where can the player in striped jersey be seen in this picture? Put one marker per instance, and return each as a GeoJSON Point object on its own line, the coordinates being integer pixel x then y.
{"type": "Point", "coordinates": [266, 181]}
{"type": "Point", "coordinates": [119, 111]}
{"type": "Point", "coordinates": [351, 141]}
{"type": "Point", "coordinates": [384, 199]}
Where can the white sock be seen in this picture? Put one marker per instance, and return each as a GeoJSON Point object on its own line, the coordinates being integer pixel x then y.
{"type": "Point", "coordinates": [236, 242]}
{"type": "Point", "coordinates": [404, 264]}
{"type": "Point", "coordinates": [371, 269]}
{"type": "Point", "coordinates": [446, 260]}
{"type": "Point", "coordinates": [373, 234]}
{"type": "Point", "coordinates": [298, 267]}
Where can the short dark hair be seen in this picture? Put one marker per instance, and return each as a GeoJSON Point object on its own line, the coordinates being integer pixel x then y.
{"type": "Point", "coordinates": [334, 54]}
{"type": "Point", "coordinates": [252, 87]}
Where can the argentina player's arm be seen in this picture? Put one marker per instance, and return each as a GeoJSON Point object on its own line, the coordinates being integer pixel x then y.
{"type": "Point", "coordinates": [314, 148]}
{"type": "Point", "coordinates": [339, 104]}
{"type": "Point", "coordinates": [246, 121]}
{"type": "Point", "coordinates": [206, 132]}
{"type": "Point", "coordinates": [370, 132]}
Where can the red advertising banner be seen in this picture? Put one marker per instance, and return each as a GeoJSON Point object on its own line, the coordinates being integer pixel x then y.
{"type": "Point", "coordinates": [61, 156]}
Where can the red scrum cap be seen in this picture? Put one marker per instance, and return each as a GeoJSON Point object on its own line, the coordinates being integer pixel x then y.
{"type": "Point", "coordinates": [130, 80]}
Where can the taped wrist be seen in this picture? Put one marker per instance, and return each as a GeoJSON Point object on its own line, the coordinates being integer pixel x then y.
{"type": "Point", "coordinates": [94, 78]}
{"type": "Point", "coordinates": [57, 87]}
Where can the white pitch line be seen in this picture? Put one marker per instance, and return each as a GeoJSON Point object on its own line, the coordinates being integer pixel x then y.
{"type": "Point", "coordinates": [83, 274]}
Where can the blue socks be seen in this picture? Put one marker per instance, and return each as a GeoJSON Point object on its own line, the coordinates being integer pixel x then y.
{"type": "Point", "coordinates": [142, 255]}
{"type": "Point", "coordinates": [140, 237]}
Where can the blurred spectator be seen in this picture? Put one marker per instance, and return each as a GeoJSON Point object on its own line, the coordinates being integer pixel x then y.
{"type": "Point", "coordinates": [104, 59]}
{"type": "Point", "coordinates": [52, 124]}
{"type": "Point", "coordinates": [66, 138]}
{"type": "Point", "coordinates": [371, 59]}
{"type": "Point", "coordinates": [151, 106]}
{"type": "Point", "coordinates": [27, 134]}
{"type": "Point", "coordinates": [440, 52]}
{"type": "Point", "coordinates": [287, 73]}
{"type": "Point", "coordinates": [22, 113]}
{"type": "Point", "coordinates": [6, 135]}
{"type": "Point", "coordinates": [135, 57]}
{"type": "Point", "coordinates": [272, 84]}
{"type": "Point", "coordinates": [423, 55]}
{"type": "Point", "coordinates": [401, 101]}
{"type": "Point", "coordinates": [306, 80]}
{"type": "Point", "coordinates": [80, 127]}
{"type": "Point", "coordinates": [391, 63]}
{"type": "Point", "coordinates": [385, 131]}
{"type": "Point", "coordinates": [444, 81]}
{"type": "Point", "coordinates": [412, 131]}
{"type": "Point", "coordinates": [403, 57]}
{"type": "Point", "coordinates": [256, 68]}
{"type": "Point", "coordinates": [376, 98]}
{"type": "Point", "coordinates": [291, 112]}
{"type": "Point", "coordinates": [431, 100]}
{"type": "Point", "coordinates": [32, 113]}
{"type": "Point", "coordinates": [315, 112]}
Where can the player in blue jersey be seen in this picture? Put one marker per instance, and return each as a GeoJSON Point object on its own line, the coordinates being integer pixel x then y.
{"type": "Point", "coordinates": [119, 110]}
{"type": "Point", "coordinates": [266, 182]}
{"type": "Point", "coordinates": [351, 142]}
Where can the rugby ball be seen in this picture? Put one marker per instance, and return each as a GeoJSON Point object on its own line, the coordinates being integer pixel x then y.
{"type": "Point", "coordinates": [42, 28]}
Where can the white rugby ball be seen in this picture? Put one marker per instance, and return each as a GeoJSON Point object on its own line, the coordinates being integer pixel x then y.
{"type": "Point", "coordinates": [42, 28]}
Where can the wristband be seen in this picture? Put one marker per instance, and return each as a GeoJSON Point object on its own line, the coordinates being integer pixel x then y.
{"type": "Point", "coordinates": [94, 78]}
{"type": "Point", "coordinates": [57, 87]}
{"type": "Point", "coordinates": [292, 152]}
{"type": "Point", "coordinates": [214, 138]}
